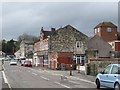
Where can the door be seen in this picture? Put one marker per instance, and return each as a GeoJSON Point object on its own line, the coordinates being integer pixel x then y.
{"type": "Point", "coordinates": [104, 78]}
{"type": "Point", "coordinates": [114, 75]}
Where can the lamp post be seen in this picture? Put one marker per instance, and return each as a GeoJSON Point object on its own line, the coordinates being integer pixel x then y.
{"type": "Point", "coordinates": [49, 49]}
{"type": "Point", "coordinates": [70, 66]}
{"type": "Point", "coordinates": [71, 70]}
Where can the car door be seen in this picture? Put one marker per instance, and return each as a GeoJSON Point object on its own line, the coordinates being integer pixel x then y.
{"type": "Point", "coordinates": [104, 79]}
{"type": "Point", "coordinates": [113, 76]}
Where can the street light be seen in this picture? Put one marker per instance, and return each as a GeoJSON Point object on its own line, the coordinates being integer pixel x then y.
{"type": "Point", "coordinates": [70, 66]}
{"type": "Point", "coordinates": [71, 70]}
{"type": "Point", "coordinates": [49, 49]}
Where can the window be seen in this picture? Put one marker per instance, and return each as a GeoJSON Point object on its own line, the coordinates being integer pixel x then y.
{"type": "Point", "coordinates": [107, 70]}
{"type": "Point", "coordinates": [78, 44]}
{"type": "Point", "coordinates": [82, 60]}
{"type": "Point", "coordinates": [109, 29]}
{"type": "Point", "coordinates": [78, 59]}
{"type": "Point", "coordinates": [98, 29]}
{"type": "Point", "coordinates": [95, 30]}
{"type": "Point", "coordinates": [115, 70]}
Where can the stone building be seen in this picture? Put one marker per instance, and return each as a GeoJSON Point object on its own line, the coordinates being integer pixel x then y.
{"type": "Point", "coordinates": [17, 54]}
{"type": "Point", "coordinates": [26, 49]}
{"type": "Point", "coordinates": [67, 46]}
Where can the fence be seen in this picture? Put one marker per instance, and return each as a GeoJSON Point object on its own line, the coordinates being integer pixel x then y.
{"type": "Point", "coordinates": [97, 65]}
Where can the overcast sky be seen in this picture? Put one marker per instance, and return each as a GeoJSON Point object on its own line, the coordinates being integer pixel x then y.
{"type": "Point", "coordinates": [28, 17]}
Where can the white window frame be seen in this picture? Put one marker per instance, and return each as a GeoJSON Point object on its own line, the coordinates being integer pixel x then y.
{"type": "Point", "coordinates": [98, 30]}
{"type": "Point", "coordinates": [109, 29]}
{"type": "Point", "coordinates": [78, 44]}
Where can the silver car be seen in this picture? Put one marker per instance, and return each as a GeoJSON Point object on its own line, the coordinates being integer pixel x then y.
{"type": "Point", "coordinates": [110, 77]}
{"type": "Point", "coordinates": [13, 62]}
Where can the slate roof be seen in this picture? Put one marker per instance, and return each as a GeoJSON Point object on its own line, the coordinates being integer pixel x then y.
{"type": "Point", "coordinates": [105, 24]}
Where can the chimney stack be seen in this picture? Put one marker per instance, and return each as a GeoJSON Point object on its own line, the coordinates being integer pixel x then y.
{"type": "Point", "coordinates": [52, 29]}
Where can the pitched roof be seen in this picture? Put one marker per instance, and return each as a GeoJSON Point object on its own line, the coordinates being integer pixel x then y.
{"type": "Point", "coordinates": [105, 24]}
{"type": "Point", "coordinates": [46, 33]}
{"type": "Point", "coordinates": [71, 27]}
{"type": "Point", "coordinates": [98, 37]}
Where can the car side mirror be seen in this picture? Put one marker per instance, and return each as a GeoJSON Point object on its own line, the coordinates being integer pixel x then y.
{"type": "Point", "coordinates": [102, 72]}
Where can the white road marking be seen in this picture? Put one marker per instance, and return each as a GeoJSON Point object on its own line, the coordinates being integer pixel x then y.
{"type": "Point", "coordinates": [53, 73]}
{"type": "Point", "coordinates": [44, 78]}
{"type": "Point", "coordinates": [34, 74]}
{"type": "Point", "coordinates": [62, 85]}
{"type": "Point", "coordinates": [5, 79]}
{"type": "Point", "coordinates": [82, 80]}
{"type": "Point", "coordinates": [74, 82]}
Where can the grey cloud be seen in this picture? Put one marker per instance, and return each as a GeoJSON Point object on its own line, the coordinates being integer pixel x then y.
{"type": "Point", "coordinates": [30, 17]}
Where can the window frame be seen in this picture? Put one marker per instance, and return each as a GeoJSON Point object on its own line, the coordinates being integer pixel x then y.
{"type": "Point", "coordinates": [109, 29]}
{"type": "Point", "coordinates": [108, 67]}
{"type": "Point", "coordinates": [118, 72]}
{"type": "Point", "coordinates": [78, 44]}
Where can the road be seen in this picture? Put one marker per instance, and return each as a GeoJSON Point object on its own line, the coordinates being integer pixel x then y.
{"type": "Point", "coordinates": [27, 77]}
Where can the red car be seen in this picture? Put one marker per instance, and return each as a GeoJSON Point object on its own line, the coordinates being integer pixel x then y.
{"type": "Point", "coordinates": [27, 63]}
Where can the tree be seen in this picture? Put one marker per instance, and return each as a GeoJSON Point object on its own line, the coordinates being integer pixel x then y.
{"type": "Point", "coordinates": [4, 46]}
{"type": "Point", "coordinates": [9, 47]}
{"type": "Point", "coordinates": [27, 37]}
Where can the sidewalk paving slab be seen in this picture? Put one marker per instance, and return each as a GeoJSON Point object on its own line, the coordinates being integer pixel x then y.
{"type": "Point", "coordinates": [1, 80]}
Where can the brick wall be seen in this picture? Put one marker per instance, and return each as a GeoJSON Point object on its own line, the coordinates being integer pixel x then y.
{"type": "Point", "coordinates": [117, 46]}
{"type": "Point", "coordinates": [109, 36]}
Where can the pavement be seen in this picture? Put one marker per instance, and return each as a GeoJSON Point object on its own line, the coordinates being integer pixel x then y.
{"type": "Point", "coordinates": [0, 80]}
{"type": "Point", "coordinates": [66, 73]}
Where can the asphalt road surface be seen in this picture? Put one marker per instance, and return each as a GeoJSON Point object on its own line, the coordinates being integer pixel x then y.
{"type": "Point", "coordinates": [27, 77]}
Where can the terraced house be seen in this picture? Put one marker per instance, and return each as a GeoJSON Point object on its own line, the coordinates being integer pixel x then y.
{"type": "Point", "coordinates": [65, 46]}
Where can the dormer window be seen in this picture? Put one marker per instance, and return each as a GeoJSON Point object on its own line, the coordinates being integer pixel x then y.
{"type": "Point", "coordinates": [109, 29]}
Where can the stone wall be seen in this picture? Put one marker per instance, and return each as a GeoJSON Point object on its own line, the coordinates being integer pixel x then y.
{"type": "Point", "coordinates": [97, 65]}
{"type": "Point", "coordinates": [64, 39]}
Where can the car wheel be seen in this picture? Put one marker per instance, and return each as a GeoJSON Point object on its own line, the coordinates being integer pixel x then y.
{"type": "Point", "coordinates": [98, 84]}
{"type": "Point", "coordinates": [117, 86]}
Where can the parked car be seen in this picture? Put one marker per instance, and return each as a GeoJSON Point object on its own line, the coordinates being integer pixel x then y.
{"type": "Point", "coordinates": [13, 62]}
{"type": "Point", "coordinates": [28, 63]}
{"type": "Point", "coordinates": [22, 62]}
{"type": "Point", "coordinates": [110, 77]}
